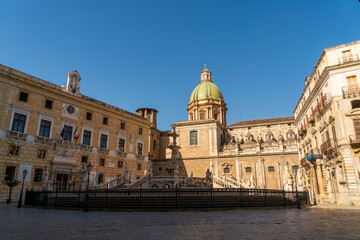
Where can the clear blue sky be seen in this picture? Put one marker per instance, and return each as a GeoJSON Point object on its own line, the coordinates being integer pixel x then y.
{"type": "Point", "coordinates": [135, 54]}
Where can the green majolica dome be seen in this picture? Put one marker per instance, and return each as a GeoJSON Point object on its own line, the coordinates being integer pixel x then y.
{"type": "Point", "coordinates": [206, 89]}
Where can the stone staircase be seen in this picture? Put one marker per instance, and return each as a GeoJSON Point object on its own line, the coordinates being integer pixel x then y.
{"type": "Point", "coordinates": [350, 173]}
{"type": "Point", "coordinates": [224, 183]}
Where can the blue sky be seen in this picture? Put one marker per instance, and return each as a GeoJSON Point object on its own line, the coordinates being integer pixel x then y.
{"type": "Point", "coordinates": [135, 54]}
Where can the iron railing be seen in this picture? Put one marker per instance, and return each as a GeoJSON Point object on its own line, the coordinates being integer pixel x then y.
{"type": "Point", "coordinates": [351, 91]}
{"type": "Point", "coordinates": [348, 58]}
{"type": "Point", "coordinates": [164, 198]}
{"type": "Point", "coordinates": [330, 143]}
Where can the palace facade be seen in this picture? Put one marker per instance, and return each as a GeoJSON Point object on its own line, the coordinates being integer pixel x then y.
{"type": "Point", "coordinates": [55, 132]}
{"type": "Point", "coordinates": [327, 119]}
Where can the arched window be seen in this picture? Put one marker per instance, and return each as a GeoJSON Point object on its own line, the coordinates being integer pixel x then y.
{"type": "Point", "coordinates": [271, 169]}
{"type": "Point", "coordinates": [248, 170]}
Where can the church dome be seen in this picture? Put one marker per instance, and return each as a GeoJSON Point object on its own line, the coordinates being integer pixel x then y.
{"type": "Point", "coordinates": [206, 89]}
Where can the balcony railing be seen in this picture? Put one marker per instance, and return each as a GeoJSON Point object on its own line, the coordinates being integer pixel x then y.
{"type": "Point", "coordinates": [139, 157]}
{"type": "Point", "coordinates": [304, 162]}
{"type": "Point", "coordinates": [330, 148]}
{"type": "Point", "coordinates": [122, 154]}
{"type": "Point", "coordinates": [45, 140]}
{"type": "Point", "coordinates": [104, 151]}
{"type": "Point", "coordinates": [348, 58]}
{"type": "Point", "coordinates": [351, 91]}
{"type": "Point", "coordinates": [17, 135]}
{"type": "Point", "coordinates": [86, 147]}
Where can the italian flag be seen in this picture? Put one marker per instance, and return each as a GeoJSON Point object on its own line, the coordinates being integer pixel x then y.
{"type": "Point", "coordinates": [76, 135]}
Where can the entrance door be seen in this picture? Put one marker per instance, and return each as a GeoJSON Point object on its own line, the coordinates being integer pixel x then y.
{"type": "Point", "coordinates": [61, 181]}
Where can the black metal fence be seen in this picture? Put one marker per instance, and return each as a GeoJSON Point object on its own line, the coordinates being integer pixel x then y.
{"type": "Point", "coordinates": [164, 198]}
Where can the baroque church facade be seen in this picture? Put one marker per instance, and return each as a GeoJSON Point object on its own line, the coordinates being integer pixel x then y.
{"type": "Point", "coordinates": [247, 154]}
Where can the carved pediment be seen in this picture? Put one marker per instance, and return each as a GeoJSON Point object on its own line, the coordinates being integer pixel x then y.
{"type": "Point", "coordinates": [354, 114]}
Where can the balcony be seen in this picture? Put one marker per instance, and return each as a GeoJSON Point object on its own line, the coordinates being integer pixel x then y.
{"type": "Point", "coordinates": [86, 147]}
{"type": "Point", "coordinates": [351, 91]}
{"type": "Point", "coordinates": [330, 148]}
{"type": "Point", "coordinates": [17, 135]}
{"type": "Point", "coordinates": [354, 140]}
{"type": "Point", "coordinates": [304, 162]}
{"type": "Point", "coordinates": [348, 58]}
{"type": "Point", "coordinates": [122, 154]}
{"type": "Point", "coordinates": [139, 157]}
{"type": "Point", "coordinates": [65, 143]}
{"type": "Point", "coordinates": [45, 140]}
{"type": "Point", "coordinates": [103, 151]}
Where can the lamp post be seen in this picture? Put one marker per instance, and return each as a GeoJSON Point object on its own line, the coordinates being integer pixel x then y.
{"type": "Point", "coordinates": [295, 169]}
{"type": "Point", "coordinates": [22, 188]}
{"type": "Point", "coordinates": [88, 168]}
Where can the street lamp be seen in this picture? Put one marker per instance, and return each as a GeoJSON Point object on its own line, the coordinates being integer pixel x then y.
{"type": "Point", "coordinates": [88, 168]}
{"type": "Point", "coordinates": [295, 169]}
{"type": "Point", "coordinates": [22, 188]}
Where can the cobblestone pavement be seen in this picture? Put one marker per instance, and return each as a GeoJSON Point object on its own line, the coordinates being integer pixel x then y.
{"type": "Point", "coordinates": [307, 223]}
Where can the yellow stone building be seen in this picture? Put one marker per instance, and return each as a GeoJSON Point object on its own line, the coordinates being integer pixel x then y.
{"type": "Point", "coordinates": [51, 131]}
{"type": "Point", "coordinates": [54, 132]}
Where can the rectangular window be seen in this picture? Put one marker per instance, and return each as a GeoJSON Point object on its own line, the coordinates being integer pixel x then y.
{"type": "Point", "coordinates": [202, 116]}
{"type": "Point", "coordinates": [215, 116]}
{"type": "Point", "coordinates": [48, 104]}
{"type": "Point", "coordinates": [23, 96]}
{"type": "Point", "coordinates": [154, 145]}
{"type": "Point", "coordinates": [84, 159]}
{"type": "Point", "coordinates": [44, 128]}
{"type": "Point", "coordinates": [120, 164]}
{"type": "Point", "coordinates": [38, 174]}
{"type": "Point", "coordinates": [140, 131]}
{"type": "Point", "coordinates": [102, 162]}
{"type": "Point", "coordinates": [105, 121]}
{"type": "Point", "coordinates": [193, 138]}
{"type": "Point", "coordinates": [88, 116]}
{"type": "Point", "coordinates": [121, 145]}
{"type": "Point", "coordinates": [271, 169]}
{"type": "Point", "coordinates": [9, 173]}
{"type": "Point", "coordinates": [122, 126]}
{"type": "Point", "coordinates": [18, 123]}
{"type": "Point", "coordinates": [14, 150]}
{"type": "Point", "coordinates": [67, 133]}
{"type": "Point", "coordinates": [139, 167]}
{"type": "Point", "coordinates": [352, 83]}
{"type": "Point", "coordinates": [103, 140]}
{"type": "Point", "coordinates": [41, 154]}
{"type": "Point", "coordinates": [347, 55]}
{"type": "Point", "coordinates": [86, 137]}
{"type": "Point", "coordinates": [139, 148]}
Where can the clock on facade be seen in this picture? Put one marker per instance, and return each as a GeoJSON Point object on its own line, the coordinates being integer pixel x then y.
{"type": "Point", "coordinates": [70, 109]}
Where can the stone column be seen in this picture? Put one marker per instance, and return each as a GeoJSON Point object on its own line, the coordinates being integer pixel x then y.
{"type": "Point", "coordinates": [258, 168]}
{"type": "Point", "coordinates": [216, 168]}
{"type": "Point", "coordinates": [264, 171]}
{"type": "Point", "coordinates": [237, 170]}
{"type": "Point", "coordinates": [320, 178]}
{"type": "Point", "coordinates": [280, 179]}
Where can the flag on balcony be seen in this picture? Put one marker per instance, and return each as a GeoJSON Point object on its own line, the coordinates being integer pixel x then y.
{"type": "Point", "coordinates": [76, 134]}
{"type": "Point", "coordinates": [62, 134]}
